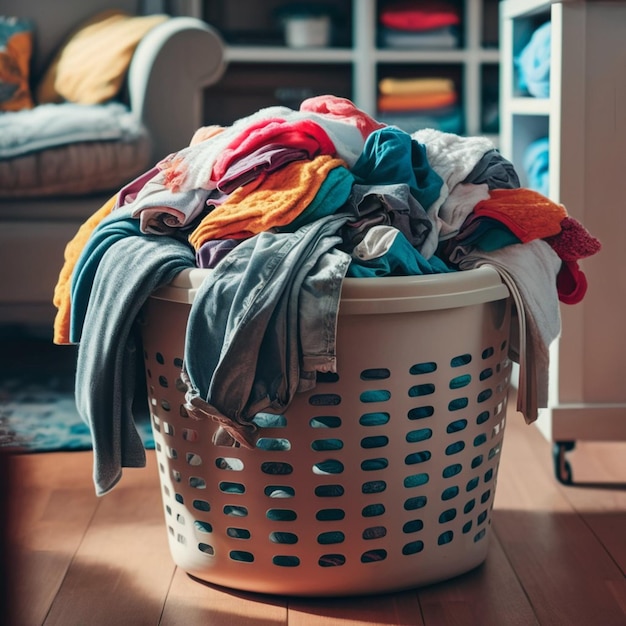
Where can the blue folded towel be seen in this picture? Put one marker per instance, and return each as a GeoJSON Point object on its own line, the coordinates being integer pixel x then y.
{"type": "Point", "coordinates": [533, 63]}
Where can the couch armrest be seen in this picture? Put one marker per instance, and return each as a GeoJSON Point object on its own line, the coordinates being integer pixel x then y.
{"type": "Point", "coordinates": [166, 77]}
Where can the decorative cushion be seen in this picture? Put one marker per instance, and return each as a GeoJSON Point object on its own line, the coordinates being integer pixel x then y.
{"type": "Point", "coordinates": [90, 68]}
{"type": "Point", "coordinates": [16, 46]}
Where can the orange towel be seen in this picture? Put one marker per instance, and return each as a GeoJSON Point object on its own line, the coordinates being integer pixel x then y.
{"type": "Point", "coordinates": [62, 291]}
{"type": "Point", "coordinates": [527, 213]}
{"type": "Point", "coordinates": [274, 201]}
{"type": "Point", "coordinates": [416, 102]}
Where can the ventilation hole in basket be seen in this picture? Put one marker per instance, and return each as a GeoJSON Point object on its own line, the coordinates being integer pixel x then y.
{"type": "Point", "coordinates": [375, 395]}
{"type": "Point", "coordinates": [156, 420]}
{"type": "Point", "coordinates": [412, 504]}
{"type": "Point", "coordinates": [467, 527]}
{"type": "Point", "coordinates": [158, 447]}
{"type": "Point", "coordinates": [370, 465]}
{"type": "Point", "coordinates": [325, 421]}
{"type": "Point", "coordinates": [197, 483]}
{"type": "Point", "coordinates": [330, 466]}
{"type": "Point", "coordinates": [162, 468]}
{"type": "Point", "coordinates": [206, 549]}
{"type": "Point", "coordinates": [159, 358]}
{"type": "Point", "coordinates": [421, 412]}
{"type": "Point", "coordinates": [488, 475]}
{"type": "Point", "coordinates": [412, 548]}
{"type": "Point", "coordinates": [273, 443]}
{"type": "Point", "coordinates": [477, 461]}
{"type": "Point", "coordinates": [326, 377]}
{"type": "Point", "coordinates": [498, 368]}
{"type": "Point", "coordinates": [203, 527]}
{"type": "Point", "coordinates": [484, 395]}
{"type": "Point", "coordinates": [378, 373]}
{"type": "Point", "coordinates": [374, 486]}
{"type": "Point", "coordinates": [417, 457]}
{"type": "Point", "coordinates": [378, 441]}
{"type": "Point", "coordinates": [374, 532]}
{"type": "Point", "coordinates": [241, 555]}
{"type": "Point", "coordinates": [229, 463]}
{"type": "Point", "coordinates": [423, 368]}
{"type": "Point", "coordinates": [329, 491]}
{"type": "Point", "coordinates": [373, 510]}
{"type": "Point", "coordinates": [279, 491]}
{"type": "Point", "coordinates": [276, 468]}
{"type": "Point", "coordinates": [190, 435]}
{"type": "Point", "coordinates": [456, 426]}
{"type": "Point", "coordinates": [235, 511]}
{"type": "Point", "coordinates": [171, 452]}
{"type": "Point", "coordinates": [166, 490]}
{"type": "Point", "coordinates": [163, 381]}
{"type": "Point", "coordinates": [325, 399]}
{"type": "Point", "coordinates": [374, 419]}
{"type": "Point", "coordinates": [413, 526]}
{"type": "Point", "coordinates": [495, 430]}
{"type": "Point", "coordinates": [148, 370]}
{"type": "Point", "coordinates": [327, 444]}
{"type": "Point", "coordinates": [165, 405]}
{"type": "Point", "coordinates": [460, 381]}
{"type": "Point", "coordinates": [416, 480]}
{"type": "Point", "coordinates": [478, 536]}
{"type": "Point", "coordinates": [238, 533]}
{"type": "Point", "coordinates": [283, 537]}
{"type": "Point", "coordinates": [447, 516]}
{"type": "Point", "coordinates": [372, 556]}
{"type": "Point", "coordinates": [479, 440]}
{"type": "Point", "coordinates": [455, 448]}
{"type": "Point", "coordinates": [481, 518]}
{"type": "Point", "coordinates": [201, 505]}
{"type": "Point", "coordinates": [181, 539]}
{"type": "Point", "coordinates": [421, 390]}
{"type": "Point", "coordinates": [457, 404]}
{"type": "Point", "coordinates": [471, 484]}
{"type": "Point", "coordinates": [269, 420]}
{"type": "Point", "coordinates": [180, 519]}
{"type": "Point", "coordinates": [449, 493]}
{"type": "Point", "coordinates": [168, 509]}
{"type": "Point", "coordinates": [452, 470]}
{"type": "Point", "coordinates": [485, 496]}
{"type": "Point", "coordinates": [180, 385]}
{"type": "Point", "coordinates": [499, 408]}
{"type": "Point", "coordinates": [286, 561]}
{"type": "Point", "coordinates": [281, 515]}
{"type": "Point", "coordinates": [482, 417]}
{"type": "Point", "coordinates": [422, 434]}
{"type": "Point", "coordinates": [331, 537]}
{"type": "Point", "coordinates": [168, 429]}
{"type": "Point", "coordinates": [461, 360]}
{"type": "Point", "coordinates": [176, 476]}
{"type": "Point", "coordinates": [469, 506]}
{"type": "Point", "coordinates": [486, 373]}
{"type": "Point", "coordinates": [487, 352]}
{"type": "Point", "coordinates": [193, 459]}
{"type": "Point", "coordinates": [331, 560]}
{"type": "Point", "coordinates": [330, 515]}
{"type": "Point", "coordinates": [495, 450]}
{"type": "Point", "coordinates": [170, 530]}
{"type": "Point", "coordinates": [445, 538]}
{"type": "Point", "coordinates": [182, 411]}
{"type": "Point", "coordinates": [153, 400]}
{"type": "Point", "coordinates": [228, 487]}
{"type": "Point", "coordinates": [503, 346]}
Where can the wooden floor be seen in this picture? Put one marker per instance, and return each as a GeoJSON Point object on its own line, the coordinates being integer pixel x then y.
{"type": "Point", "coordinates": [557, 555]}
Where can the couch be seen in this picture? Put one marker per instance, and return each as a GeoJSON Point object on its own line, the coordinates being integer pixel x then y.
{"type": "Point", "coordinates": [161, 92]}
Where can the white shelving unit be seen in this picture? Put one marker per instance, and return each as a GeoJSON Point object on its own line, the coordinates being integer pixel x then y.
{"type": "Point", "coordinates": [584, 118]}
{"type": "Point", "coordinates": [366, 60]}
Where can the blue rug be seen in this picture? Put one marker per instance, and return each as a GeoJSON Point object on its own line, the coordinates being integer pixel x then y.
{"type": "Point", "coordinates": [41, 416]}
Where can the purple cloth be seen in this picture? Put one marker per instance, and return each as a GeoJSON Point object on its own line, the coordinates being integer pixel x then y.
{"type": "Point", "coordinates": [213, 251]}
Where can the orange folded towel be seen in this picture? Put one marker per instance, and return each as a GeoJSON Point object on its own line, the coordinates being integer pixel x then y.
{"type": "Point", "coordinates": [416, 102]}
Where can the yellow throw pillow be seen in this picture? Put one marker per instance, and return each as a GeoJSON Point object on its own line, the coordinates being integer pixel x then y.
{"type": "Point", "coordinates": [16, 45]}
{"type": "Point", "coordinates": [92, 65]}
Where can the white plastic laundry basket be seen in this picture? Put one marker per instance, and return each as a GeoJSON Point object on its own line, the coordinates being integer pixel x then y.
{"type": "Point", "coordinates": [381, 478]}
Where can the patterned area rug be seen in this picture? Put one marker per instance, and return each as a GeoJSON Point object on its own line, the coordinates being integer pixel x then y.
{"type": "Point", "coordinates": [37, 408]}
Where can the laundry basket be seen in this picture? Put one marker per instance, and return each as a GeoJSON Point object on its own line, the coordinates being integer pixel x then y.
{"type": "Point", "coordinates": [381, 478]}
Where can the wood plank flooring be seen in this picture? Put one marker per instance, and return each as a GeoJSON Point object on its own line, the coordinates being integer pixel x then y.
{"type": "Point", "coordinates": [557, 554]}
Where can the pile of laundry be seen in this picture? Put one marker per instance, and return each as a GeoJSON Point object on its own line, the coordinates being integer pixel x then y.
{"type": "Point", "coordinates": [282, 206]}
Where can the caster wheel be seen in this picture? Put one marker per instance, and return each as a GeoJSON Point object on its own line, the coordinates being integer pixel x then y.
{"type": "Point", "coordinates": [562, 467]}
